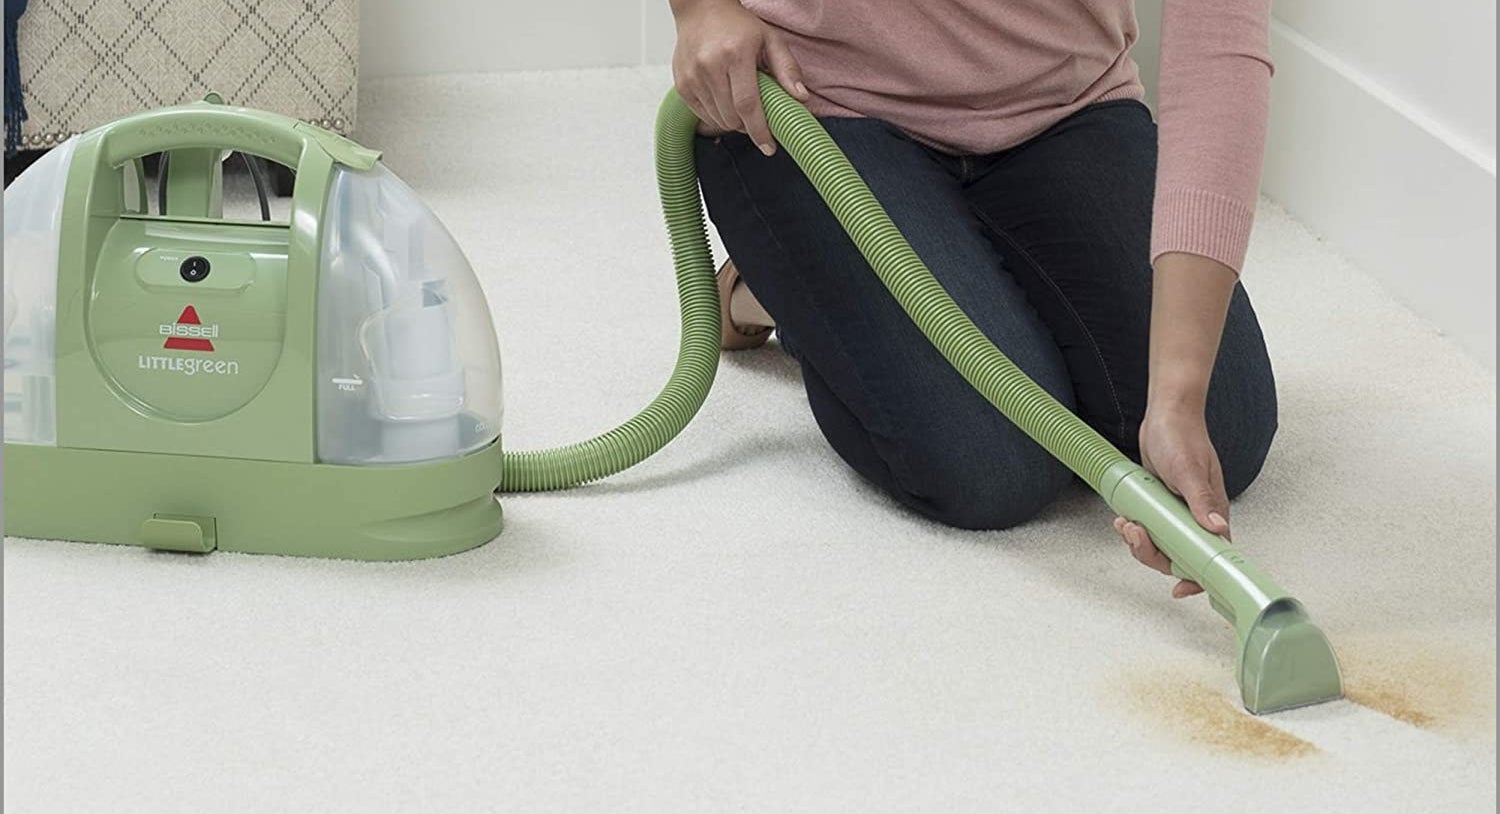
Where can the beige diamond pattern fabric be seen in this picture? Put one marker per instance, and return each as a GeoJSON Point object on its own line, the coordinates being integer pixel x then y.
{"type": "Point", "coordinates": [88, 62]}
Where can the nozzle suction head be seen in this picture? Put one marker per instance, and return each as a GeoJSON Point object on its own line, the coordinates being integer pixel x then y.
{"type": "Point", "coordinates": [1287, 662]}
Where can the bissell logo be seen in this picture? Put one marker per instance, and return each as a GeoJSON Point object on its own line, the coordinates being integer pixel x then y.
{"type": "Point", "coordinates": [189, 332]}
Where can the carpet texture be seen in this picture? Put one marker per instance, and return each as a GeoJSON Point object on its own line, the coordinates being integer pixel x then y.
{"type": "Point", "coordinates": [740, 624]}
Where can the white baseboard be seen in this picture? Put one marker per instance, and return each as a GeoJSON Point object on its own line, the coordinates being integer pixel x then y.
{"type": "Point", "coordinates": [1390, 187]}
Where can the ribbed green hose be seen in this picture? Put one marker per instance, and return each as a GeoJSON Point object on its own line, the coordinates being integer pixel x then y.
{"type": "Point", "coordinates": [951, 331]}
{"type": "Point", "coordinates": [698, 350]}
{"type": "Point", "coordinates": [988, 370]}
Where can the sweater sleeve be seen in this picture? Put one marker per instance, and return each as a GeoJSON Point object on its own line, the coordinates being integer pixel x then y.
{"type": "Point", "coordinates": [1213, 103]}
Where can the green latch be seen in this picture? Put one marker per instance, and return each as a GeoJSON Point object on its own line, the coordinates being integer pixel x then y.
{"type": "Point", "coordinates": [177, 532]}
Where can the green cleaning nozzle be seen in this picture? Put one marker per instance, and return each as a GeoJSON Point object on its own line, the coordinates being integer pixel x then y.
{"type": "Point", "coordinates": [1283, 659]}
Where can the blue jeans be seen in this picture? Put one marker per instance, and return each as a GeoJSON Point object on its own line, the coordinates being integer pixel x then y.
{"type": "Point", "coordinates": [1044, 245]}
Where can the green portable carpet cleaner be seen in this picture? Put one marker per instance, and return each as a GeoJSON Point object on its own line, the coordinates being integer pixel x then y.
{"type": "Point", "coordinates": [330, 386]}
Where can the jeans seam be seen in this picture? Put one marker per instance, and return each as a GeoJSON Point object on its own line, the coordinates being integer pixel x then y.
{"type": "Point", "coordinates": [903, 476]}
{"type": "Point", "coordinates": [1109, 381]}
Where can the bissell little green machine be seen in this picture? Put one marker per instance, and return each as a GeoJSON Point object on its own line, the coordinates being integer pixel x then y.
{"type": "Point", "coordinates": [330, 385]}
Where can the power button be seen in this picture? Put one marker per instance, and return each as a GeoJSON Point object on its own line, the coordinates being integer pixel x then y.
{"type": "Point", "coordinates": [195, 269]}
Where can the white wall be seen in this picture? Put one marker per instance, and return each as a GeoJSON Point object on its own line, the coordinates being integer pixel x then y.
{"type": "Point", "coordinates": [1437, 57]}
{"type": "Point", "coordinates": [405, 37]}
{"type": "Point", "coordinates": [1383, 141]}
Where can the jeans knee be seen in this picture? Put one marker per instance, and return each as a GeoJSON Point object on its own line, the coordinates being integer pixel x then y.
{"type": "Point", "coordinates": [999, 492]}
{"type": "Point", "coordinates": [1242, 404]}
{"type": "Point", "coordinates": [1242, 433]}
{"type": "Point", "coordinates": [1243, 459]}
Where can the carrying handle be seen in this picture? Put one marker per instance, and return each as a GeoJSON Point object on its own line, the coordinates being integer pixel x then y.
{"type": "Point", "coordinates": [207, 125]}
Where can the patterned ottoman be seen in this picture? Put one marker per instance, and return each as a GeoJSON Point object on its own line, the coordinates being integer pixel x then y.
{"type": "Point", "coordinates": [87, 62]}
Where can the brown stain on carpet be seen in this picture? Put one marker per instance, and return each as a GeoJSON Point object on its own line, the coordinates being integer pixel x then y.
{"type": "Point", "coordinates": [1445, 687]}
{"type": "Point", "coordinates": [1189, 708]}
{"type": "Point", "coordinates": [1393, 702]}
{"type": "Point", "coordinates": [1434, 686]}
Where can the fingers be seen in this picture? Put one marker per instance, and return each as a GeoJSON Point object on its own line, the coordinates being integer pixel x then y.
{"type": "Point", "coordinates": [1146, 552]}
{"type": "Point", "coordinates": [745, 95]}
{"type": "Point", "coordinates": [782, 65]}
{"type": "Point", "coordinates": [1190, 469]}
{"type": "Point", "coordinates": [1141, 547]}
{"type": "Point", "coordinates": [718, 80]}
{"type": "Point", "coordinates": [1208, 501]}
{"type": "Point", "coordinates": [721, 98]}
{"type": "Point", "coordinates": [692, 91]}
{"type": "Point", "coordinates": [715, 65]}
{"type": "Point", "coordinates": [1184, 589]}
{"type": "Point", "coordinates": [702, 79]}
{"type": "Point", "coordinates": [708, 124]}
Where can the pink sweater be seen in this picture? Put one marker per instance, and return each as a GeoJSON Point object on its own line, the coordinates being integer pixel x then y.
{"type": "Point", "coordinates": [970, 76]}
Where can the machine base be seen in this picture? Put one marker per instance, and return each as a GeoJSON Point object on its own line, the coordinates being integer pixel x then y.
{"type": "Point", "coordinates": [399, 512]}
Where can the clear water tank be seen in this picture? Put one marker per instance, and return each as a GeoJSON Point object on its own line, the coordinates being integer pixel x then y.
{"type": "Point", "coordinates": [408, 364]}
{"type": "Point", "coordinates": [33, 225]}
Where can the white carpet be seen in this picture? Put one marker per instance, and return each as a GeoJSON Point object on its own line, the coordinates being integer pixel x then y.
{"type": "Point", "coordinates": [739, 624]}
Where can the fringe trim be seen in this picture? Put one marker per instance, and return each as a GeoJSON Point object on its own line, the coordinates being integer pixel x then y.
{"type": "Point", "coordinates": [15, 106]}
